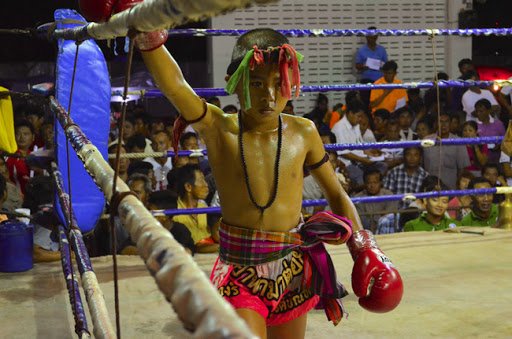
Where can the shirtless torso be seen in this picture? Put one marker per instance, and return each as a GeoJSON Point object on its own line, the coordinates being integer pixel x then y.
{"type": "Point", "coordinates": [301, 145]}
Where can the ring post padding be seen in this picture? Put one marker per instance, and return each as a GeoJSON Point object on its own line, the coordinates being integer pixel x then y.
{"type": "Point", "coordinates": [90, 108]}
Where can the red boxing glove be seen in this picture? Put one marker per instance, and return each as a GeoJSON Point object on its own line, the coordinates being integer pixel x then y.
{"type": "Point", "coordinates": [97, 10]}
{"type": "Point", "coordinates": [375, 280]}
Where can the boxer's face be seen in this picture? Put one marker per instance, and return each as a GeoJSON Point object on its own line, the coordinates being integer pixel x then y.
{"type": "Point", "coordinates": [267, 101]}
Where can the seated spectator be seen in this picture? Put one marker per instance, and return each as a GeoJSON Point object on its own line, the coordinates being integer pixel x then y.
{"type": "Point", "coordinates": [189, 141]}
{"type": "Point", "coordinates": [288, 109]}
{"type": "Point", "coordinates": [14, 197]}
{"type": "Point", "coordinates": [489, 127]}
{"type": "Point", "coordinates": [459, 206]}
{"type": "Point", "coordinates": [138, 143]}
{"type": "Point", "coordinates": [475, 93]}
{"type": "Point", "coordinates": [483, 211]}
{"type": "Point", "coordinates": [455, 124]}
{"type": "Point", "coordinates": [232, 109]}
{"type": "Point", "coordinates": [3, 198]}
{"type": "Point", "coordinates": [492, 173]}
{"type": "Point", "coordinates": [47, 134]}
{"type": "Point", "coordinates": [214, 101]}
{"type": "Point", "coordinates": [424, 128]}
{"type": "Point", "coordinates": [366, 130]}
{"type": "Point", "coordinates": [505, 166]}
{"type": "Point", "coordinates": [142, 167]}
{"type": "Point", "coordinates": [453, 158]}
{"type": "Point", "coordinates": [319, 112]}
{"type": "Point", "coordinates": [36, 117]}
{"type": "Point", "coordinates": [19, 171]}
{"type": "Point", "coordinates": [430, 96]}
{"type": "Point", "coordinates": [123, 162]}
{"type": "Point", "coordinates": [407, 177]}
{"type": "Point", "coordinates": [161, 165]}
{"type": "Point", "coordinates": [141, 124]}
{"type": "Point", "coordinates": [164, 200]}
{"type": "Point", "coordinates": [478, 154]}
{"type": "Point", "coordinates": [39, 196]}
{"type": "Point", "coordinates": [389, 99]}
{"type": "Point", "coordinates": [370, 213]}
{"type": "Point", "coordinates": [434, 218]}
{"type": "Point", "coordinates": [312, 191]}
{"type": "Point", "coordinates": [392, 156]}
{"type": "Point", "coordinates": [380, 121]}
{"type": "Point", "coordinates": [192, 189]}
{"type": "Point", "coordinates": [156, 125]}
{"type": "Point", "coordinates": [415, 103]}
{"type": "Point", "coordinates": [404, 115]}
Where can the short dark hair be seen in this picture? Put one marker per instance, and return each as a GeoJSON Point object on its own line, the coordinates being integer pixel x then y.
{"type": "Point", "coordinates": [432, 183]}
{"type": "Point", "coordinates": [187, 136]}
{"type": "Point", "coordinates": [328, 133]}
{"type": "Point", "coordinates": [370, 170]}
{"type": "Point", "coordinates": [403, 110]}
{"type": "Point", "coordinates": [185, 175]}
{"type": "Point", "coordinates": [390, 66]}
{"type": "Point", "coordinates": [382, 113]}
{"type": "Point", "coordinates": [478, 180]}
{"type": "Point", "coordinates": [139, 166]}
{"type": "Point", "coordinates": [264, 38]}
{"type": "Point", "coordinates": [490, 165]}
{"type": "Point", "coordinates": [483, 103]}
{"type": "Point", "coordinates": [408, 149]}
{"type": "Point", "coordinates": [465, 61]}
{"type": "Point", "coordinates": [355, 106]}
{"type": "Point", "coordinates": [24, 123]}
{"type": "Point", "coordinates": [136, 140]}
{"type": "Point", "coordinates": [163, 200]}
{"type": "Point", "coordinates": [38, 191]}
{"type": "Point", "coordinates": [229, 108]}
{"type": "Point", "coordinates": [471, 123]}
{"type": "Point", "coordinates": [442, 76]}
{"type": "Point", "coordinates": [469, 74]}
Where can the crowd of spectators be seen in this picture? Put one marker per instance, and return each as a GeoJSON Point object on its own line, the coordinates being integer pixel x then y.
{"type": "Point", "coordinates": [365, 117]}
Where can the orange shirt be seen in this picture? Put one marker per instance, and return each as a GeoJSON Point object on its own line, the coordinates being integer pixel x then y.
{"type": "Point", "coordinates": [391, 99]}
{"type": "Point", "coordinates": [336, 116]}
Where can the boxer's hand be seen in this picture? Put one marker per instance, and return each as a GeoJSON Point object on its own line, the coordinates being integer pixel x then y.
{"type": "Point", "coordinates": [375, 280]}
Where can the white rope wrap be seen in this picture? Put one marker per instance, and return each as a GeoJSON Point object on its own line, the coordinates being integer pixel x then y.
{"type": "Point", "coordinates": [195, 300]}
{"type": "Point", "coordinates": [152, 15]}
{"type": "Point", "coordinates": [99, 314]}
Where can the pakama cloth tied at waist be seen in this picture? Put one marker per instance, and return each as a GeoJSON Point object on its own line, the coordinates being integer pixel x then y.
{"type": "Point", "coordinates": [249, 247]}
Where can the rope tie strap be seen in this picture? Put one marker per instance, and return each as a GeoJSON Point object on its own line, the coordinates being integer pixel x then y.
{"type": "Point", "coordinates": [117, 197]}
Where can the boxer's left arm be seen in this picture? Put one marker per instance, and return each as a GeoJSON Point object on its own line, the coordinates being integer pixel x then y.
{"type": "Point", "coordinates": [324, 175]}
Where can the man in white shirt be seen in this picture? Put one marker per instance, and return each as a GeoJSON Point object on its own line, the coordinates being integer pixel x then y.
{"type": "Point", "coordinates": [161, 166]}
{"type": "Point", "coordinates": [347, 131]}
{"type": "Point", "coordinates": [473, 94]}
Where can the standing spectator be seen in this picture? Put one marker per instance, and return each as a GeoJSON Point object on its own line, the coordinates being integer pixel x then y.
{"type": "Point", "coordinates": [483, 211]}
{"type": "Point", "coordinates": [465, 65]}
{"type": "Point", "coordinates": [390, 99]}
{"type": "Point", "coordinates": [162, 165]}
{"type": "Point", "coordinates": [19, 171]}
{"type": "Point", "coordinates": [475, 93]}
{"type": "Point", "coordinates": [489, 127]}
{"type": "Point", "coordinates": [478, 154]}
{"type": "Point", "coordinates": [408, 177]}
{"type": "Point", "coordinates": [369, 60]}
{"type": "Point", "coordinates": [371, 213]}
{"type": "Point", "coordinates": [404, 115]}
{"type": "Point", "coordinates": [453, 159]}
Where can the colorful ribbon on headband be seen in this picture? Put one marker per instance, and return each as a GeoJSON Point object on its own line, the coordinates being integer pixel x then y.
{"type": "Point", "coordinates": [288, 57]}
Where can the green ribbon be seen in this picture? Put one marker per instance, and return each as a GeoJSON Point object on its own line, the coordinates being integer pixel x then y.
{"type": "Point", "coordinates": [242, 72]}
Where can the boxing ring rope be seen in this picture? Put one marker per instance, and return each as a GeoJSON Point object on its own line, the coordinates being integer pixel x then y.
{"type": "Point", "coordinates": [98, 309]}
{"type": "Point", "coordinates": [359, 200]}
{"type": "Point", "coordinates": [153, 15]}
{"type": "Point", "coordinates": [193, 297]}
{"type": "Point", "coordinates": [342, 147]}
{"type": "Point", "coordinates": [208, 92]}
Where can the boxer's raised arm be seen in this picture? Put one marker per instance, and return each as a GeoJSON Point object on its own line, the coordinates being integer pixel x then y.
{"type": "Point", "coordinates": [169, 78]}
